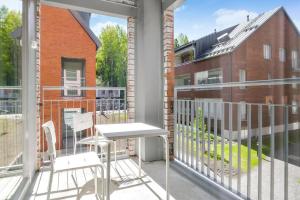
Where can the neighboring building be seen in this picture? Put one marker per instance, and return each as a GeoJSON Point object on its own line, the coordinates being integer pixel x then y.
{"type": "Point", "coordinates": [68, 50]}
{"type": "Point", "coordinates": [266, 47]}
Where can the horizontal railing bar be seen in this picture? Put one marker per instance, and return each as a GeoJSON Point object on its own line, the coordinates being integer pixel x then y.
{"type": "Point", "coordinates": [11, 167]}
{"type": "Point", "coordinates": [10, 88]}
{"type": "Point", "coordinates": [58, 100]}
{"type": "Point", "coordinates": [237, 103]}
{"type": "Point", "coordinates": [271, 82]}
{"type": "Point", "coordinates": [82, 88]}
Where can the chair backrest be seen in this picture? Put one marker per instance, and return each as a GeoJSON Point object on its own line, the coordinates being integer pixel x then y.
{"type": "Point", "coordinates": [82, 121]}
{"type": "Point", "coordinates": [49, 130]}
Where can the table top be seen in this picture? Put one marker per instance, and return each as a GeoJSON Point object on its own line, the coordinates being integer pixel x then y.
{"type": "Point", "coordinates": [129, 130]}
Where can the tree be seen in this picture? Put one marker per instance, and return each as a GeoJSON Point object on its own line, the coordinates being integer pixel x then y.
{"type": "Point", "coordinates": [112, 57]}
{"type": "Point", "coordinates": [180, 40]}
{"type": "Point", "coordinates": [9, 21]}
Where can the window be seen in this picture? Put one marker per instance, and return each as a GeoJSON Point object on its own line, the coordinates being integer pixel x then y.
{"type": "Point", "coordinates": [243, 107]}
{"type": "Point", "coordinates": [183, 80]}
{"type": "Point", "coordinates": [185, 56]}
{"type": "Point", "coordinates": [294, 107]}
{"type": "Point", "coordinates": [295, 59]}
{"type": "Point", "coordinates": [267, 51]}
{"type": "Point", "coordinates": [209, 77]}
{"type": "Point", "coordinates": [281, 54]}
{"type": "Point", "coordinates": [242, 75]}
{"type": "Point", "coordinates": [72, 76]}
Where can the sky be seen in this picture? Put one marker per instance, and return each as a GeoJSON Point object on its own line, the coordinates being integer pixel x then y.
{"type": "Point", "coordinates": [197, 18]}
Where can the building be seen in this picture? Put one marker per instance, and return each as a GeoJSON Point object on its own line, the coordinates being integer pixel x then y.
{"type": "Point", "coordinates": [68, 50]}
{"type": "Point", "coordinates": [266, 47]}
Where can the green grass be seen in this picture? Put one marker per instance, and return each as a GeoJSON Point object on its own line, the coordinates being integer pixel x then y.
{"type": "Point", "coordinates": [298, 181]}
{"type": "Point", "coordinates": [244, 152]}
{"type": "Point", "coordinates": [244, 156]}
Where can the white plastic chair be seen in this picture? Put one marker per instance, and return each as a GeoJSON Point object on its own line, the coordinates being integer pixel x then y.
{"type": "Point", "coordinates": [72, 162]}
{"type": "Point", "coordinates": [84, 121]}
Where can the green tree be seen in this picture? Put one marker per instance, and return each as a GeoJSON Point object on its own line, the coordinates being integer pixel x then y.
{"type": "Point", "coordinates": [112, 57]}
{"type": "Point", "coordinates": [180, 40]}
{"type": "Point", "coordinates": [9, 21]}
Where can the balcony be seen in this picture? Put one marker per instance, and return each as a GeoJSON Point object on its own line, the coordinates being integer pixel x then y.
{"type": "Point", "coordinates": [228, 149]}
{"type": "Point", "coordinates": [246, 148]}
{"type": "Point", "coordinates": [107, 109]}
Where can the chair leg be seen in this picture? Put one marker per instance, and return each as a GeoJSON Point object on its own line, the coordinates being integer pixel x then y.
{"type": "Point", "coordinates": [95, 179]}
{"type": "Point", "coordinates": [115, 151]}
{"type": "Point", "coordinates": [50, 185]}
{"type": "Point", "coordinates": [103, 182]}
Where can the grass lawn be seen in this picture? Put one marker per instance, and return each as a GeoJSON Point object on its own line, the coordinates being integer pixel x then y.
{"type": "Point", "coordinates": [244, 152]}
{"type": "Point", "coordinates": [298, 181]}
{"type": "Point", "coordinates": [244, 156]}
{"type": "Point", "coordinates": [111, 117]}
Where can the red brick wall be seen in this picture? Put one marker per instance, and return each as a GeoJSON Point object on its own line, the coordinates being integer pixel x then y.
{"type": "Point", "coordinates": [63, 36]}
{"type": "Point", "coordinates": [279, 33]}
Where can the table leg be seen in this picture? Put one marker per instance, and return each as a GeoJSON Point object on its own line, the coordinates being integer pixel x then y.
{"type": "Point", "coordinates": [115, 151]}
{"type": "Point", "coordinates": [108, 172]}
{"type": "Point", "coordinates": [140, 158]}
{"type": "Point", "coordinates": [165, 137]}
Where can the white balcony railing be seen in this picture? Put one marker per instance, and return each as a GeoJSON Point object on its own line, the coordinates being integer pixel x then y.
{"type": "Point", "coordinates": [255, 156]}
{"type": "Point", "coordinates": [11, 134]}
{"type": "Point", "coordinates": [108, 109]}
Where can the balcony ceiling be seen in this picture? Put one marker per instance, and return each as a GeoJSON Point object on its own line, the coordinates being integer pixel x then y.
{"type": "Point", "coordinates": [118, 8]}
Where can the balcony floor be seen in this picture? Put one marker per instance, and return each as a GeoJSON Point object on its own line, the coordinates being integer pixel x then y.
{"type": "Point", "coordinates": [125, 184]}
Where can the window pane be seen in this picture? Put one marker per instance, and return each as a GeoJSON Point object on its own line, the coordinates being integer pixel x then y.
{"type": "Point", "coordinates": [282, 54]}
{"type": "Point", "coordinates": [209, 77]}
{"type": "Point", "coordinates": [295, 59]}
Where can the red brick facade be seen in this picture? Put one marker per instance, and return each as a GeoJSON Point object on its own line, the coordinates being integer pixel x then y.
{"type": "Point", "coordinates": [62, 36]}
{"type": "Point", "coordinates": [279, 32]}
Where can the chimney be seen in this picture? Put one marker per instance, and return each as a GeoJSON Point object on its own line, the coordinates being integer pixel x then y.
{"type": "Point", "coordinates": [248, 18]}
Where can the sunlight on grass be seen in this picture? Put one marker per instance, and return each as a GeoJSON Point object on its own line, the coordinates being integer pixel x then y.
{"type": "Point", "coordinates": [244, 156]}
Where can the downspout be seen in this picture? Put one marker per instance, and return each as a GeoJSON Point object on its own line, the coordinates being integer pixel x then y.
{"type": "Point", "coordinates": [231, 75]}
{"type": "Point", "coordinates": [162, 56]}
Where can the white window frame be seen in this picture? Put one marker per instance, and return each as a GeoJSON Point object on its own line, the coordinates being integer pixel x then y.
{"type": "Point", "coordinates": [294, 107]}
{"type": "Point", "coordinates": [282, 54]}
{"type": "Point", "coordinates": [267, 51]}
{"type": "Point", "coordinates": [243, 110]}
{"type": "Point", "coordinates": [242, 77]}
{"type": "Point", "coordinates": [295, 59]}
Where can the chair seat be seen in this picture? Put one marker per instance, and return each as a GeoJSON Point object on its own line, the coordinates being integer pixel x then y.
{"type": "Point", "coordinates": [77, 161]}
{"type": "Point", "coordinates": [102, 141]}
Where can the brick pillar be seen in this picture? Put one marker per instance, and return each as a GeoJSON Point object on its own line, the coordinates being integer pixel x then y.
{"type": "Point", "coordinates": [169, 74]}
{"type": "Point", "coordinates": [131, 79]}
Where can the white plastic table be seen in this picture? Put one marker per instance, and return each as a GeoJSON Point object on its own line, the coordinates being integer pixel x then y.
{"type": "Point", "coordinates": [132, 130]}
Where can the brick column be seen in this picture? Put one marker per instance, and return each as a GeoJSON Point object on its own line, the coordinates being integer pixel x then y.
{"type": "Point", "coordinates": [131, 79]}
{"type": "Point", "coordinates": [169, 74]}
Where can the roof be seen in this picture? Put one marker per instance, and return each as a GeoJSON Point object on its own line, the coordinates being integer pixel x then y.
{"type": "Point", "coordinates": [232, 37]}
{"type": "Point", "coordinates": [83, 19]}
{"type": "Point", "coordinates": [238, 35]}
